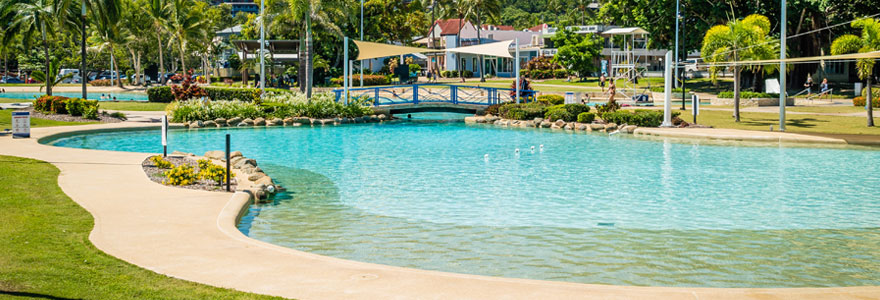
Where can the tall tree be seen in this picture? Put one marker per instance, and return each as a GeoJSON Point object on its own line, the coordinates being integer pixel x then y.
{"type": "Point", "coordinates": [305, 12]}
{"type": "Point", "coordinates": [483, 9]}
{"type": "Point", "coordinates": [187, 23]}
{"type": "Point", "coordinates": [158, 11]}
{"type": "Point", "coordinates": [869, 41]}
{"type": "Point", "coordinates": [739, 40]}
{"type": "Point", "coordinates": [36, 17]}
{"type": "Point", "coordinates": [106, 30]}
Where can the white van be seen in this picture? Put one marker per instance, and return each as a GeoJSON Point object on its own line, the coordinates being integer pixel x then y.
{"type": "Point", "coordinates": [73, 79]}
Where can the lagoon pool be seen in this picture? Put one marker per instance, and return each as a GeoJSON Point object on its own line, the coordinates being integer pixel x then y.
{"type": "Point", "coordinates": [30, 96]}
{"type": "Point", "coordinates": [589, 208]}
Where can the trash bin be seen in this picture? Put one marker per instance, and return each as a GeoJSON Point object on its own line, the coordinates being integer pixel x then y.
{"type": "Point", "coordinates": [858, 89]}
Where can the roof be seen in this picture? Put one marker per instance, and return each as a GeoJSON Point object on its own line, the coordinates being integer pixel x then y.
{"type": "Point", "coordinates": [538, 28]}
{"type": "Point", "coordinates": [449, 26]}
{"type": "Point", "coordinates": [625, 30]}
{"type": "Point", "coordinates": [497, 27]}
{"type": "Point", "coordinates": [272, 46]}
{"type": "Point", "coordinates": [231, 30]}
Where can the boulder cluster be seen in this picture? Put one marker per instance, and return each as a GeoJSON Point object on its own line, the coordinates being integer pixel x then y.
{"type": "Point", "coordinates": [558, 124]}
{"type": "Point", "coordinates": [290, 121]}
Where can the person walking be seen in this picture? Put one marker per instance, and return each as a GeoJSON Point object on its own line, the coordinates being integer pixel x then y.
{"type": "Point", "coordinates": [809, 85]}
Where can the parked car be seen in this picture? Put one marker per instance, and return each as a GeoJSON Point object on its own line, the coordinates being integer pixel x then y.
{"type": "Point", "coordinates": [144, 78]}
{"type": "Point", "coordinates": [107, 75]}
{"type": "Point", "coordinates": [73, 79]}
{"type": "Point", "coordinates": [10, 79]}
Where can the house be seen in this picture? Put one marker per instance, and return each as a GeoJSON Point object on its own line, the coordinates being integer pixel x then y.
{"type": "Point", "coordinates": [454, 33]}
{"type": "Point", "coordinates": [239, 6]}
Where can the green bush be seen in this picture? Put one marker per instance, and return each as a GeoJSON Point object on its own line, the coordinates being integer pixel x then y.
{"type": "Point", "coordinates": [106, 82]}
{"type": "Point", "coordinates": [875, 93]}
{"type": "Point", "coordinates": [638, 117]}
{"type": "Point", "coordinates": [78, 107]}
{"type": "Point", "coordinates": [90, 112]}
{"type": "Point", "coordinates": [160, 94]}
{"type": "Point", "coordinates": [860, 101]}
{"type": "Point", "coordinates": [225, 93]}
{"type": "Point", "coordinates": [196, 110]}
{"type": "Point", "coordinates": [368, 80]}
{"type": "Point", "coordinates": [493, 109]}
{"type": "Point", "coordinates": [415, 68]}
{"type": "Point", "coordinates": [586, 117]}
{"type": "Point", "coordinates": [558, 112]}
{"type": "Point", "coordinates": [560, 73]}
{"type": "Point", "coordinates": [743, 95]}
{"type": "Point", "coordinates": [551, 99]}
{"type": "Point", "coordinates": [51, 104]}
{"type": "Point", "coordinates": [526, 111]}
{"type": "Point", "coordinates": [576, 109]}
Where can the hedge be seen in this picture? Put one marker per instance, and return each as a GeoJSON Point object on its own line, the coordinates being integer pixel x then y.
{"type": "Point", "coordinates": [744, 95]}
{"type": "Point", "coordinates": [63, 105]}
{"type": "Point", "coordinates": [243, 94]}
{"type": "Point", "coordinates": [638, 117]}
{"type": "Point", "coordinates": [565, 112]}
{"type": "Point", "coordinates": [875, 93]}
{"type": "Point", "coordinates": [454, 73]}
{"type": "Point", "coordinates": [551, 99]}
{"type": "Point", "coordinates": [527, 111]}
{"type": "Point", "coordinates": [106, 82]}
{"type": "Point", "coordinates": [368, 80]}
{"type": "Point", "coordinates": [860, 101]}
{"type": "Point", "coordinates": [160, 94]}
{"type": "Point", "coordinates": [586, 117]}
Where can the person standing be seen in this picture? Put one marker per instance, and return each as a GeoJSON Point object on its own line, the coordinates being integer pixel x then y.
{"type": "Point", "coordinates": [602, 82]}
{"type": "Point", "coordinates": [612, 89]}
{"type": "Point", "coordinates": [809, 85]}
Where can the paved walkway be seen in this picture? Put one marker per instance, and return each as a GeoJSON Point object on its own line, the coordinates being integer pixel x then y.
{"type": "Point", "coordinates": [737, 135]}
{"type": "Point", "coordinates": [191, 235]}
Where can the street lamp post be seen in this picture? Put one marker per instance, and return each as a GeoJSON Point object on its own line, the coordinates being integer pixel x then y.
{"type": "Point", "coordinates": [83, 77]}
{"type": "Point", "coordinates": [782, 92]}
{"type": "Point", "coordinates": [677, 17]}
{"type": "Point", "coordinates": [361, 63]}
{"type": "Point", "coordinates": [262, 49]}
{"type": "Point", "coordinates": [683, 69]}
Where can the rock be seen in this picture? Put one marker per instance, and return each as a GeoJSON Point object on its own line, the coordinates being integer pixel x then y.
{"type": "Point", "coordinates": [500, 122]}
{"type": "Point", "coordinates": [325, 121]}
{"type": "Point", "coordinates": [259, 122]}
{"type": "Point", "coordinates": [538, 120]}
{"type": "Point", "coordinates": [265, 180]}
{"type": "Point", "coordinates": [359, 120]}
{"type": "Point", "coordinates": [629, 128]}
{"type": "Point", "coordinates": [195, 125]}
{"type": "Point", "coordinates": [256, 176]}
{"type": "Point", "coordinates": [216, 154]}
{"type": "Point", "coordinates": [233, 122]}
{"type": "Point", "coordinates": [546, 124]}
{"type": "Point", "coordinates": [247, 122]}
{"type": "Point", "coordinates": [209, 124]}
{"type": "Point", "coordinates": [581, 126]}
{"type": "Point", "coordinates": [235, 154]}
{"type": "Point", "coordinates": [185, 124]}
{"type": "Point", "coordinates": [244, 161]}
{"type": "Point", "coordinates": [491, 118]}
{"type": "Point", "coordinates": [337, 120]}
{"type": "Point", "coordinates": [302, 120]}
{"type": "Point", "coordinates": [471, 120]}
{"type": "Point", "coordinates": [560, 123]}
{"type": "Point", "coordinates": [382, 117]}
{"type": "Point", "coordinates": [481, 119]}
{"type": "Point", "coordinates": [610, 127]}
{"type": "Point", "coordinates": [296, 124]}
{"type": "Point", "coordinates": [274, 122]}
{"type": "Point", "coordinates": [287, 121]}
{"type": "Point", "coordinates": [220, 122]}
{"type": "Point", "coordinates": [526, 124]}
{"type": "Point", "coordinates": [178, 153]}
{"type": "Point", "coordinates": [596, 127]}
{"type": "Point", "coordinates": [313, 121]}
{"type": "Point", "coordinates": [234, 161]}
{"type": "Point", "coordinates": [569, 126]}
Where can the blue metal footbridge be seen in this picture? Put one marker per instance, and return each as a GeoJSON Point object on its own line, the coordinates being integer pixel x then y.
{"type": "Point", "coordinates": [431, 97]}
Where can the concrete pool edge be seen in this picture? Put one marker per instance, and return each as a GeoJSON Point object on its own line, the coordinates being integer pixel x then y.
{"type": "Point", "coordinates": [198, 240]}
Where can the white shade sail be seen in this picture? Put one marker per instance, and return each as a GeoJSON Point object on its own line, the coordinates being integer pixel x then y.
{"type": "Point", "coordinates": [368, 50]}
{"type": "Point", "coordinates": [498, 49]}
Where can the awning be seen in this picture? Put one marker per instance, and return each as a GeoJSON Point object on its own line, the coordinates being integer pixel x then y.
{"type": "Point", "coordinates": [368, 50]}
{"type": "Point", "coordinates": [625, 31]}
{"type": "Point", "coordinates": [853, 56]}
{"type": "Point", "coordinates": [499, 49]}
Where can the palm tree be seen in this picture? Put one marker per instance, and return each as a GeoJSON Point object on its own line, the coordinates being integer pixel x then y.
{"type": "Point", "coordinates": [186, 24]}
{"type": "Point", "coordinates": [739, 40]}
{"type": "Point", "coordinates": [868, 42]}
{"type": "Point", "coordinates": [106, 32]}
{"type": "Point", "coordinates": [491, 9]}
{"type": "Point", "coordinates": [321, 12]}
{"type": "Point", "coordinates": [53, 78]}
{"type": "Point", "coordinates": [158, 12]}
{"type": "Point", "coordinates": [460, 9]}
{"type": "Point", "coordinates": [34, 17]}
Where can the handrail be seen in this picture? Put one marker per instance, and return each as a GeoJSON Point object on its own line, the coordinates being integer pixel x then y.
{"type": "Point", "coordinates": [421, 93]}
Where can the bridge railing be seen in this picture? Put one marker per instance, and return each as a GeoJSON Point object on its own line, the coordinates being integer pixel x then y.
{"type": "Point", "coordinates": [433, 93]}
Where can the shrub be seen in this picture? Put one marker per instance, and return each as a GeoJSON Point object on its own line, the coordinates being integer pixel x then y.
{"type": "Point", "coordinates": [78, 107]}
{"type": "Point", "coordinates": [526, 111]}
{"type": "Point", "coordinates": [450, 74]}
{"type": "Point", "coordinates": [91, 112]}
{"type": "Point", "coordinates": [586, 117]}
{"type": "Point", "coordinates": [160, 94]}
{"type": "Point", "coordinates": [211, 171]}
{"type": "Point", "coordinates": [105, 82]}
{"type": "Point", "coordinates": [468, 73]}
{"type": "Point", "coordinates": [226, 93]}
{"type": "Point", "coordinates": [560, 74]}
{"type": "Point", "coordinates": [51, 104]}
{"type": "Point", "coordinates": [551, 99]}
{"type": "Point", "coordinates": [160, 162]}
{"type": "Point", "coordinates": [639, 117]}
{"type": "Point", "coordinates": [558, 113]}
{"type": "Point", "coordinates": [187, 90]}
{"type": "Point", "coordinates": [875, 93]}
{"type": "Point", "coordinates": [197, 110]}
{"type": "Point", "coordinates": [860, 101]}
{"type": "Point", "coordinates": [180, 175]}
{"type": "Point", "coordinates": [493, 109]}
{"type": "Point", "coordinates": [611, 106]}
{"type": "Point", "coordinates": [415, 68]}
{"type": "Point", "coordinates": [743, 95]}
{"type": "Point", "coordinates": [576, 109]}
{"type": "Point", "coordinates": [368, 80]}
{"type": "Point", "coordinates": [117, 115]}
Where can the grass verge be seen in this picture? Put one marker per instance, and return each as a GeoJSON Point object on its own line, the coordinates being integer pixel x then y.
{"type": "Point", "coordinates": [46, 252]}
{"type": "Point", "coordinates": [798, 123]}
{"type": "Point", "coordinates": [134, 106]}
{"type": "Point", "coordinates": [6, 121]}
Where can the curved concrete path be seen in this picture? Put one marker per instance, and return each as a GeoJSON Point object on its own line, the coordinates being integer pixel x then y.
{"type": "Point", "coordinates": [191, 235]}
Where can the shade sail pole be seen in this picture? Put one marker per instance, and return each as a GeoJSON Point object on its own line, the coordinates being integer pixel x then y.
{"type": "Point", "coordinates": [516, 68]}
{"type": "Point", "coordinates": [782, 83]}
{"type": "Point", "coordinates": [345, 67]}
{"type": "Point", "coordinates": [667, 103]}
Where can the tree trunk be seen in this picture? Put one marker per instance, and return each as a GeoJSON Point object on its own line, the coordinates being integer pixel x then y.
{"type": "Point", "coordinates": [869, 104]}
{"type": "Point", "coordinates": [182, 58]}
{"type": "Point", "coordinates": [309, 56]}
{"type": "Point", "coordinates": [116, 70]}
{"type": "Point", "coordinates": [139, 71]}
{"type": "Point", "coordinates": [48, 79]}
{"type": "Point", "coordinates": [161, 76]}
{"type": "Point", "coordinates": [480, 42]}
{"type": "Point", "coordinates": [736, 91]}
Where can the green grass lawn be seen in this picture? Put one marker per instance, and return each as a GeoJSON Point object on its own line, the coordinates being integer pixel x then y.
{"type": "Point", "coordinates": [133, 106]}
{"type": "Point", "coordinates": [6, 121]}
{"type": "Point", "coordinates": [794, 123]}
{"type": "Point", "coordinates": [836, 109]}
{"type": "Point", "coordinates": [10, 100]}
{"type": "Point", "coordinates": [46, 251]}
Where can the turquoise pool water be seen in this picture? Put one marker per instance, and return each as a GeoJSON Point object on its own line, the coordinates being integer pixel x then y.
{"type": "Point", "coordinates": [588, 208]}
{"type": "Point", "coordinates": [29, 96]}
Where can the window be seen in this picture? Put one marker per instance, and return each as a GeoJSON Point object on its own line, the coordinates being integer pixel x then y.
{"type": "Point", "coordinates": [463, 64]}
{"type": "Point", "coordinates": [475, 64]}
